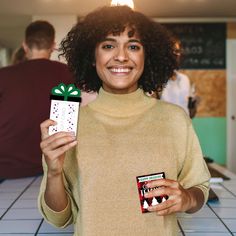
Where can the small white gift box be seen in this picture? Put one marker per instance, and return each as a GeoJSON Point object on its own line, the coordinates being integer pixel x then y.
{"type": "Point", "coordinates": [65, 102]}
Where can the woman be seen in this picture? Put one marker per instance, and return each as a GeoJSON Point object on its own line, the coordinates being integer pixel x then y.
{"type": "Point", "coordinates": [90, 180]}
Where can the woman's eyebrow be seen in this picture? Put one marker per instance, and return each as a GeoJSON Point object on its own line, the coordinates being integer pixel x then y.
{"type": "Point", "coordinates": [114, 40]}
{"type": "Point", "coordinates": [134, 41]}
{"type": "Point", "coordinates": [108, 39]}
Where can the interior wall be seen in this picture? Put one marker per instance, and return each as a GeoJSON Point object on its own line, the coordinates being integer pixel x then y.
{"type": "Point", "coordinates": [4, 56]}
{"type": "Point", "coordinates": [210, 87]}
{"type": "Point", "coordinates": [211, 132]}
{"type": "Point", "coordinates": [210, 121]}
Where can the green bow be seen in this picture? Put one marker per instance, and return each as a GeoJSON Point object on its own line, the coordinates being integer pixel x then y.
{"type": "Point", "coordinates": [66, 91]}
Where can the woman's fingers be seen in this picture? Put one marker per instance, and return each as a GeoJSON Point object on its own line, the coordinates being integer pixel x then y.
{"type": "Point", "coordinates": [166, 207]}
{"type": "Point", "coordinates": [65, 148]}
{"type": "Point", "coordinates": [57, 144]}
{"type": "Point", "coordinates": [56, 140]}
{"type": "Point", "coordinates": [44, 127]}
{"type": "Point", "coordinates": [162, 183]}
{"type": "Point", "coordinates": [177, 201]}
{"type": "Point", "coordinates": [54, 148]}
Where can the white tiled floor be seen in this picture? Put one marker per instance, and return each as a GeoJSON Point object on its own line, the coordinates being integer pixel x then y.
{"type": "Point", "coordinates": [19, 214]}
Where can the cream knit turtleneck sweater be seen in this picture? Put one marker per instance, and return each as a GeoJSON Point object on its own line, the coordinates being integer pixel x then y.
{"type": "Point", "coordinates": [121, 137]}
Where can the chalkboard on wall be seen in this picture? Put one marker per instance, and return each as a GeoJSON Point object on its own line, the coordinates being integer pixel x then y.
{"type": "Point", "coordinates": [204, 44]}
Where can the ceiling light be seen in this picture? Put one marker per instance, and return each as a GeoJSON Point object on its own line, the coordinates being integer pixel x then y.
{"type": "Point", "coordinates": [129, 3]}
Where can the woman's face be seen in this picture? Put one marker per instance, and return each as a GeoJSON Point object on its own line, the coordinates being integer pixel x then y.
{"type": "Point", "coordinates": [120, 62]}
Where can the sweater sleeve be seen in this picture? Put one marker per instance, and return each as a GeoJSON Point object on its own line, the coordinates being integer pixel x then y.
{"type": "Point", "coordinates": [194, 171]}
{"type": "Point", "coordinates": [65, 217]}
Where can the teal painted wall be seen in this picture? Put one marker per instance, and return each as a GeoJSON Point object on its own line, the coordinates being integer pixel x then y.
{"type": "Point", "coordinates": [211, 132]}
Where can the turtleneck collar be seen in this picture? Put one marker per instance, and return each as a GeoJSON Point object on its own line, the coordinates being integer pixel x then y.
{"type": "Point", "coordinates": [122, 105]}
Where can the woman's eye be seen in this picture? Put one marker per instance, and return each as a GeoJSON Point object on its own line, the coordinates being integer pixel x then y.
{"type": "Point", "coordinates": [134, 47]}
{"type": "Point", "coordinates": [107, 46]}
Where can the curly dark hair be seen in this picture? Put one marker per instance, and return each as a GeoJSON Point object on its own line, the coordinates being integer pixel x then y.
{"type": "Point", "coordinates": [78, 47]}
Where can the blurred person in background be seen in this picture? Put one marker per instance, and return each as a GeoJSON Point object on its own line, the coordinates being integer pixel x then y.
{"type": "Point", "coordinates": [24, 101]}
{"type": "Point", "coordinates": [178, 88]}
{"type": "Point", "coordinates": [18, 56]}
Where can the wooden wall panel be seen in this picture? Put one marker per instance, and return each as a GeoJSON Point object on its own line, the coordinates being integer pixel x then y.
{"type": "Point", "coordinates": [211, 88]}
{"type": "Point", "coordinates": [231, 30]}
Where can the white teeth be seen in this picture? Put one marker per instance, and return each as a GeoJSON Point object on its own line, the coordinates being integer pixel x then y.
{"type": "Point", "coordinates": [120, 70]}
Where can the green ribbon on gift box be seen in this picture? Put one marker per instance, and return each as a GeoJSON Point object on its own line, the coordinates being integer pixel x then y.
{"type": "Point", "coordinates": [66, 91]}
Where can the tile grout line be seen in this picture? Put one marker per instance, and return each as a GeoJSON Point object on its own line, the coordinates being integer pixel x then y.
{"type": "Point", "coordinates": [18, 198]}
{"type": "Point", "coordinates": [180, 227]}
{"type": "Point", "coordinates": [228, 190]}
{"type": "Point", "coordinates": [36, 233]}
{"type": "Point", "coordinates": [220, 219]}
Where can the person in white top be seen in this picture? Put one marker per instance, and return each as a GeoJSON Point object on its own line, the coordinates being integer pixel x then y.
{"type": "Point", "coordinates": [178, 88]}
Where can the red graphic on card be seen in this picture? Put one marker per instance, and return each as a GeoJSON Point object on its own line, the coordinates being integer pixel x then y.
{"type": "Point", "coordinates": [142, 189]}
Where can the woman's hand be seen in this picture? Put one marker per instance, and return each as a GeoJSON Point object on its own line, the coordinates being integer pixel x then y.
{"type": "Point", "coordinates": [55, 146]}
{"type": "Point", "coordinates": [179, 199]}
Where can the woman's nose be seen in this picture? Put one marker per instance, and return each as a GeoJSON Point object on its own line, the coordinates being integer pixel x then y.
{"type": "Point", "coordinates": [121, 55]}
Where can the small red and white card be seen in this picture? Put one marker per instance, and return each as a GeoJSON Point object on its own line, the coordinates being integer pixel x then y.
{"type": "Point", "coordinates": [142, 189]}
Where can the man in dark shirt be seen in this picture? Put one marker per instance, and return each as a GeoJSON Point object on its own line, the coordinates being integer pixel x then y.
{"type": "Point", "coordinates": [25, 103]}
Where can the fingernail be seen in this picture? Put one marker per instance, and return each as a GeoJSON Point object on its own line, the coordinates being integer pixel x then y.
{"type": "Point", "coordinates": [150, 208]}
